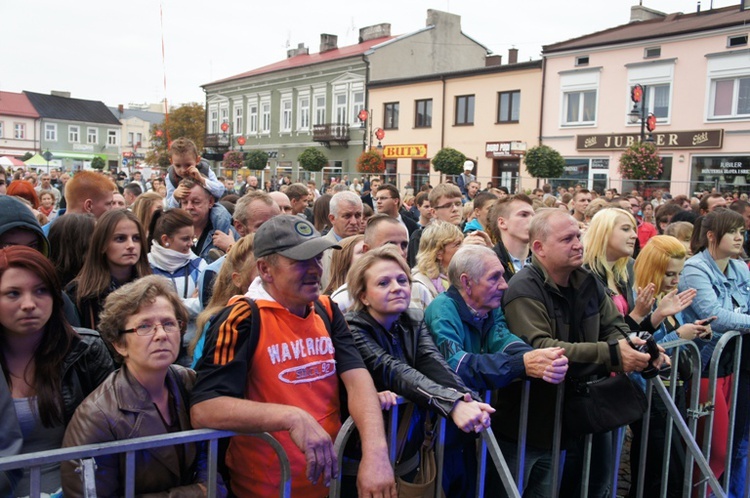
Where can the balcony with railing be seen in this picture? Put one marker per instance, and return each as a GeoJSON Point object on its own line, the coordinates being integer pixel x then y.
{"type": "Point", "coordinates": [217, 140]}
{"type": "Point", "coordinates": [331, 132]}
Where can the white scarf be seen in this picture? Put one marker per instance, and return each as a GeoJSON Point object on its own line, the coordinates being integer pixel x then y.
{"type": "Point", "coordinates": [168, 259]}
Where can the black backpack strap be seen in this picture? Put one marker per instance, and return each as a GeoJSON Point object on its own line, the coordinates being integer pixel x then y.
{"type": "Point", "coordinates": [322, 312]}
{"type": "Point", "coordinates": [254, 328]}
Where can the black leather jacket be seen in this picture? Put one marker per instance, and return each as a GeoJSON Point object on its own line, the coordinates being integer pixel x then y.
{"type": "Point", "coordinates": [406, 361]}
{"type": "Point", "coordinates": [85, 367]}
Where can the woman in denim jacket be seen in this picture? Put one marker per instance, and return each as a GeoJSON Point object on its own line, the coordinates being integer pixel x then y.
{"type": "Point", "coordinates": [723, 284]}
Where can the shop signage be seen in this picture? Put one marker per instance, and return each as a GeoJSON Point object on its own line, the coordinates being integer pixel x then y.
{"type": "Point", "coordinates": [700, 139]}
{"type": "Point", "coordinates": [501, 149]}
{"type": "Point", "coordinates": [409, 150]}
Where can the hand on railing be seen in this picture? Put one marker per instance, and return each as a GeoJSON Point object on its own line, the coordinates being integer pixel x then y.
{"type": "Point", "coordinates": [548, 364]}
{"type": "Point", "coordinates": [470, 415]}
{"type": "Point", "coordinates": [317, 446]}
{"type": "Point", "coordinates": [387, 400]}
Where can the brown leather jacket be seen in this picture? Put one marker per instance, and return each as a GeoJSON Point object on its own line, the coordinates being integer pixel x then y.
{"type": "Point", "coordinates": [120, 408]}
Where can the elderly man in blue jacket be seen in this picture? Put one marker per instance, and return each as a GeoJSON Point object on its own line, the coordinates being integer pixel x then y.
{"type": "Point", "coordinates": [469, 328]}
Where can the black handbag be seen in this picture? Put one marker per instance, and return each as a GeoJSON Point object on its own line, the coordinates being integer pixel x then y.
{"type": "Point", "coordinates": [602, 405]}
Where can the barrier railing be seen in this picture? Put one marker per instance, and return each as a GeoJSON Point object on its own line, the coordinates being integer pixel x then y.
{"type": "Point", "coordinates": [488, 443]}
{"type": "Point", "coordinates": [87, 455]}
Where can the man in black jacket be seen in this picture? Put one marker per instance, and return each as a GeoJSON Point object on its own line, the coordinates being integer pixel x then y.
{"type": "Point", "coordinates": [509, 219]}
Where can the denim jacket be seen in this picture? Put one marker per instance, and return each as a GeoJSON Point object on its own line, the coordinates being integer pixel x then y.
{"type": "Point", "coordinates": [726, 295]}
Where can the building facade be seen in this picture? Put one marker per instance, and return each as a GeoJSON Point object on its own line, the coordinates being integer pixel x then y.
{"type": "Point", "coordinates": [75, 131]}
{"type": "Point", "coordinates": [19, 125]}
{"type": "Point", "coordinates": [136, 133]}
{"type": "Point", "coordinates": [315, 100]}
{"type": "Point", "coordinates": [695, 72]}
{"type": "Point", "coordinates": [491, 114]}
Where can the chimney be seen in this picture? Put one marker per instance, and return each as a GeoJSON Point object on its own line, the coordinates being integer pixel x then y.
{"type": "Point", "coordinates": [493, 60]}
{"type": "Point", "coordinates": [328, 43]}
{"type": "Point", "coordinates": [512, 55]}
{"type": "Point", "coordinates": [641, 13]}
{"type": "Point", "coordinates": [120, 108]}
{"type": "Point", "coordinates": [300, 50]}
{"type": "Point", "coordinates": [59, 93]}
{"type": "Point", "coordinates": [376, 31]}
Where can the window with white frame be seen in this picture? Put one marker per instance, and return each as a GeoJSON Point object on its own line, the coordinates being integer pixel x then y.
{"type": "Point", "coordinates": [238, 129]}
{"type": "Point", "coordinates": [729, 76]}
{"type": "Point", "coordinates": [92, 135]}
{"type": "Point", "coordinates": [223, 115]}
{"type": "Point", "coordinates": [50, 132]}
{"type": "Point", "coordinates": [131, 137]}
{"type": "Point", "coordinates": [320, 109]}
{"type": "Point", "coordinates": [138, 139]}
{"type": "Point", "coordinates": [579, 97]}
{"type": "Point", "coordinates": [252, 117]}
{"type": "Point", "coordinates": [339, 100]}
{"type": "Point", "coordinates": [265, 115]}
{"type": "Point", "coordinates": [285, 123]}
{"type": "Point", "coordinates": [19, 131]}
{"type": "Point", "coordinates": [213, 120]}
{"type": "Point", "coordinates": [74, 134]}
{"type": "Point", "coordinates": [303, 112]}
{"type": "Point", "coordinates": [112, 137]}
{"type": "Point", "coordinates": [2, 129]}
{"type": "Point", "coordinates": [358, 103]}
{"type": "Point", "coordinates": [656, 80]}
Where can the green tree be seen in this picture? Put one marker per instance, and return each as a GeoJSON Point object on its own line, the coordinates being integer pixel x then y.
{"type": "Point", "coordinates": [312, 159]}
{"type": "Point", "coordinates": [543, 161]}
{"type": "Point", "coordinates": [449, 161]}
{"type": "Point", "coordinates": [98, 163]}
{"type": "Point", "coordinates": [256, 160]}
{"type": "Point", "coordinates": [188, 121]}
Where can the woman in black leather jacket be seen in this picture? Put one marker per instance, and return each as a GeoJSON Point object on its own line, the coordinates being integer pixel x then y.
{"type": "Point", "coordinates": [399, 351]}
{"type": "Point", "coordinates": [49, 367]}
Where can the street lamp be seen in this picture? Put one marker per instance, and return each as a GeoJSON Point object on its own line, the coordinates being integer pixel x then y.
{"type": "Point", "coordinates": [638, 113]}
{"type": "Point", "coordinates": [224, 129]}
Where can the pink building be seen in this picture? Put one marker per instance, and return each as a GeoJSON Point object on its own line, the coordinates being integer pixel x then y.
{"type": "Point", "coordinates": [695, 70]}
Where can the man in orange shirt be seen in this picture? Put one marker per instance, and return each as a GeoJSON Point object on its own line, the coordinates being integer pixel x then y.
{"type": "Point", "coordinates": [284, 376]}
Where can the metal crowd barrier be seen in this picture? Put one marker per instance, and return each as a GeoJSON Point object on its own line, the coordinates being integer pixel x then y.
{"type": "Point", "coordinates": [87, 455]}
{"type": "Point", "coordinates": [488, 445]}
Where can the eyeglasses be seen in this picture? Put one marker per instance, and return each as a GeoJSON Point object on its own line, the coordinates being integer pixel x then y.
{"type": "Point", "coordinates": [455, 204]}
{"type": "Point", "coordinates": [2, 182]}
{"type": "Point", "coordinates": [145, 329]}
{"type": "Point", "coordinates": [379, 199]}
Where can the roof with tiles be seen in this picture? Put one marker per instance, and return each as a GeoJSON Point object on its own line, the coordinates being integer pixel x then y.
{"type": "Point", "coordinates": [669, 25]}
{"type": "Point", "coordinates": [310, 59]}
{"type": "Point", "coordinates": [16, 104]}
{"type": "Point", "coordinates": [57, 107]}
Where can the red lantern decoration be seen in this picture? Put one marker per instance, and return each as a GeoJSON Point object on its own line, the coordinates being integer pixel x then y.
{"type": "Point", "coordinates": [379, 133]}
{"type": "Point", "coordinates": [651, 123]}
{"type": "Point", "coordinates": [241, 140]}
{"type": "Point", "coordinates": [224, 126]}
{"type": "Point", "coordinates": [363, 115]}
{"type": "Point", "coordinates": [636, 94]}
{"type": "Point", "coordinates": [159, 133]}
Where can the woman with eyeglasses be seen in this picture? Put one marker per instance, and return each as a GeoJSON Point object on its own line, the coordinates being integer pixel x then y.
{"type": "Point", "coordinates": [49, 366]}
{"type": "Point", "coordinates": [116, 257]}
{"type": "Point", "coordinates": [143, 322]}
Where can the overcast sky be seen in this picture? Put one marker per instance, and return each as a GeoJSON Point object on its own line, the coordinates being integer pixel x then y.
{"type": "Point", "coordinates": [112, 50]}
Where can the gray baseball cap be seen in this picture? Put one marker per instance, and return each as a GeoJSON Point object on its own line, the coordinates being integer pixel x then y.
{"type": "Point", "coordinates": [291, 236]}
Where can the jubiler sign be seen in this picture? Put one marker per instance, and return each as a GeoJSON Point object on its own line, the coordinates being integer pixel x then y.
{"type": "Point", "coordinates": [705, 139]}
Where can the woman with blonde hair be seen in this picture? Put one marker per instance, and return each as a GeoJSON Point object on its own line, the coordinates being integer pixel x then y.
{"type": "Point", "coordinates": [342, 260]}
{"type": "Point", "coordinates": [144, 208]}
{"type": "Point", "coordinates": [440, 241]}
{"type": "Point", "coordinates": [232, 280]}
{"type": "Point", "coordinates": [608, 244]}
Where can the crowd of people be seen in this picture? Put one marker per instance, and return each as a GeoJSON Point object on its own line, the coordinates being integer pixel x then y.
{"type": "Point", "coordinates": [134, 307]}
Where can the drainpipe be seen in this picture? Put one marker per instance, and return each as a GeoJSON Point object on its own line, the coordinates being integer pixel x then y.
{"type": "Point", "coordinates": [541, 106]}
{"type": "Point", "coordinates": [367, 100]}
